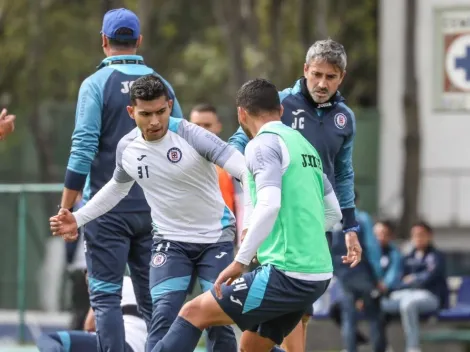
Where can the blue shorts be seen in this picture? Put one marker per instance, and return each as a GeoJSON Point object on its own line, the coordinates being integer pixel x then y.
{"type": "Point", "coordinates": [269, 302]}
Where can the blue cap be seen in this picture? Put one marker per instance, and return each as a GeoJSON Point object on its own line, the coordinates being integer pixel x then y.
{"type": "Point", "coordinates": [120, 18]}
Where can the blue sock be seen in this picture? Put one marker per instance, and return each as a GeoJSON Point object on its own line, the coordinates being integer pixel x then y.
{"type": "Point", "coordinates": [182, 337]}
{"type": "Point", "coordinates": [277, 349]}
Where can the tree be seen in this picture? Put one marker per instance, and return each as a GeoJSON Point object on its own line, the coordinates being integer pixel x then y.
{"type": "Point", "coordinates": [412, 140]}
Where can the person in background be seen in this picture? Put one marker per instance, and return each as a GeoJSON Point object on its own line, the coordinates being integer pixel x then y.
{"type": "Point", "coordinates": [124, 235]}
{"type": "Point", "coordinates": [361, 286]}
{"type": "Point", "coordinates": [423, 286]}
{"type": "Point", "coordinates": [7, 124]}
{"type": "Point", "coordinates": [84, 338]}
{"type": "Point", "coordinates": [390, 262]}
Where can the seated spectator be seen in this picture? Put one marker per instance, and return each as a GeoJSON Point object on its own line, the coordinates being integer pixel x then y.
{"type": "Point", "coordinates": [360, 286]}
{"type": "Point", "coordinates": [423, 286]}
{"type": "Point", "coordinates": [391, 259]}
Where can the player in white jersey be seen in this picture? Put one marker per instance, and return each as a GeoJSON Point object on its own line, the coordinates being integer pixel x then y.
{"type": "Point", "coordinates": [79, 341]}
{"type": "Point", "coordinates": [173, 161]}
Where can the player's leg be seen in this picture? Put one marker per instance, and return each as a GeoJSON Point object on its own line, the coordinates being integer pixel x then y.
{"type": "Point", "coordinates": [349, 320]}
{"type": "Point", "coordinates": [205, 311]}
{"type": "Point", "coordinates": [170, 274]}
{"type": "Point", "coordinates": [297, 339]}
{"type": "Point", "coordinates": [106, 251]}
{"type": "Point", "coordinates": [213, 260]}
{"type": "Point", "coordinates": [374, 315]}
{"type": "Point", "coordinates": [69, 341]}
{"type": "Point", "coordinates": [294, 342]}
{"type": "Point", "coordinates": [140, 253]}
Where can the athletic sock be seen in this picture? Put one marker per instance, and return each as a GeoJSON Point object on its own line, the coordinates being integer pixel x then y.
{"type": "Point", "coordinates": [182, 337]}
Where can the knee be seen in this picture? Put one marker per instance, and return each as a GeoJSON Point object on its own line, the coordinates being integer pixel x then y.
{"type": "Point", "coordinates": [407, 306]}
{"type": "Point", "coordinates": [191, 312]}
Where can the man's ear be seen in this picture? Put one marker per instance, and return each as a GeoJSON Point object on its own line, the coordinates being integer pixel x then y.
{"type": "Point", "coordinates": [139, 41]}
{"type": "Point", "coordinates": [104, 41]}
{"type": "Point", "coordinates": [170, 104]}
{"type": "Point", "coordinates": [130, 111]}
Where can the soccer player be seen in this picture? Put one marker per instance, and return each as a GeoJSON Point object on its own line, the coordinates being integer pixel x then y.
{"type": "Point", "coordinates": [315, 108]}
{"type": "Point", "coordinates": [173, 161]}
{"type": "Point", "coordinates": [80, 341]}
{"type": "Point", "coordinates": [293, 204]}
{"type": "Point", "coordinates": [124, 234]}
{"type": "Point", "coordinates": [7, 124]}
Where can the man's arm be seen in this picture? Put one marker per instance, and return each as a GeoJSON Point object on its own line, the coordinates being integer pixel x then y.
{"type": "Point", "coordinates": [85, 140]}
{"type": "Point", "coordinates": [264, 161]}
{"type": "Point", "coordinates": [373, 250]}
{"type": "Point", "coordinates": [239, 140]}
{"type": "Point", "coordinates": [393, 275]}
{"type": "Point", "coordinates": [344, 179]}
{"type": "Point", "coordinates": [332, 208]}
{"type": "Point", "coordinates": [213, 148]}
{"type": "Point", "coordinates": [435, 268]}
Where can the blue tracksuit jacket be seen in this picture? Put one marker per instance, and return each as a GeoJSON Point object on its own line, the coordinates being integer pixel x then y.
{"type": "Point", "coordinates": [330, 127]}
{"type": "Point", "coordinates": [101, 121]}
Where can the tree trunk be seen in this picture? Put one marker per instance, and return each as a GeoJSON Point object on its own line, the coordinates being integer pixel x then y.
{"type": "Point", "coordinates": [305, 33]}
{"type": "Point", "coordinates": [321, 17]}
{"type": "Point", "coordinates": [146, 23]}
{"type": "Point", "coordinates": [275, 30]}
{"type": "Point", "coordinates": [229, 18]}
{"type": "Point", "coordinates": [107, 5]}
{"type": "Point", "coordinates": [412, 142]}
{"type": "Point", "coordinates": [41, 137]}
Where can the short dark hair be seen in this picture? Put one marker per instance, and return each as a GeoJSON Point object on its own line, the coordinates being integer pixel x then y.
{"type": "Point", "coordinates": [425, 225]}
{"type": "Point", "coordinates": [148, 88]}
{"type": "Point", "coordinates": [204, 107]}
{"type": "Point", "coordinates": [258, 96]}
{"type": "Point", "coordinates": [122, 43]}
{"type": "Point", "coordinates": [389, 224]}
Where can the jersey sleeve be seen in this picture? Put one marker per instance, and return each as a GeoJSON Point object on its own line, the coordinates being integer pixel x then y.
{"type": "Point", "coordinates": [207, 144]}
{"type": "Point", "coordinates": [263, 157]}
{"type": "Point", "coordinates": [239, 140]}
{"type": "Point", "coordinates": [120, 175]}
{"type": "Point", "coordinates": [86, 135]}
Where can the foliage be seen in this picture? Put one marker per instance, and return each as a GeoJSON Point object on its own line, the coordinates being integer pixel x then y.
{"type": "Point", "coordinates": [206, 48]}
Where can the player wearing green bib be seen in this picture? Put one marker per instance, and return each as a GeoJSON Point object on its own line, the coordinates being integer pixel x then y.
{"type": "Point", "coordinates": [301, 217]}
{"type": "Point", "coordinates": [290, 204]}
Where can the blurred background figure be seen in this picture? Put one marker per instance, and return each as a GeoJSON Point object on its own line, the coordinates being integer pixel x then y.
{"type": "Point", "coordinates": [7, 124]}
{"type": "Point", "coordinates": [423, 287]}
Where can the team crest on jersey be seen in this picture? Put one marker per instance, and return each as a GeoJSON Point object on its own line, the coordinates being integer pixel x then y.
{"type": "Point", "coordinates": [158, 260]}
{"type": "Point", "coordinates": [174, 154]}
{"type": "Point", "coordinates": [341, 120]}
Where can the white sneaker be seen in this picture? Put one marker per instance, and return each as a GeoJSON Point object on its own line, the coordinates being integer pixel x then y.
{"type": "Point", "coordinates": [414, 350]}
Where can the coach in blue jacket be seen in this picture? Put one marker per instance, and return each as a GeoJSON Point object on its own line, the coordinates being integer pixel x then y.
{"type": "Point", "coordinates": [315, 108]}
{"type": "Point", "coordinates": [123, 234]}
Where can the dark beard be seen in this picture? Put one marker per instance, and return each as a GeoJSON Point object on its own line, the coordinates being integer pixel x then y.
{"type": "Point", "coordinates": [247, 132]}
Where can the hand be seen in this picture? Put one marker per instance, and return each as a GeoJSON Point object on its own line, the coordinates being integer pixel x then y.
{"type": "Point", "coordinates": [381, 287]}
{"type": "Point", "coordinates": [7, 124]}
{"type": "Point", "coordinates": [408, 279]}
{"type": "Point", "coordinates": [353, 246]}
{"type": "Point", "coordinates": [231, 273]}
{"type": "Point", "coordinates": [360, 304]}
{"type": "Point", "coordinates": [65, 225]}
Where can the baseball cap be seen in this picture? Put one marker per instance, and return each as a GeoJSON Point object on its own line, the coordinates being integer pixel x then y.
{"type": "Point", "coordinates": [120, 18]}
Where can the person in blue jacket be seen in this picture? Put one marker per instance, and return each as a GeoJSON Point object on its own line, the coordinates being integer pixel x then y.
{"type": "Point", "coordinates": [316, 108]}
{"type": "Point", "coordinates": [124, 235]}
{"type": "Point", "coordinates": [423, 285]}
{"type": "Point", "coordinates": [362, 283]}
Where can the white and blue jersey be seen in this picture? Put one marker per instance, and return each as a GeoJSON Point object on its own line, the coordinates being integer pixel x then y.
{"type": "Point", "coordinates": [330, 127]}
{"type": "Point", "coordinates": [101, 121]}
{"type": "Point", "coordinates": [179, 180]}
